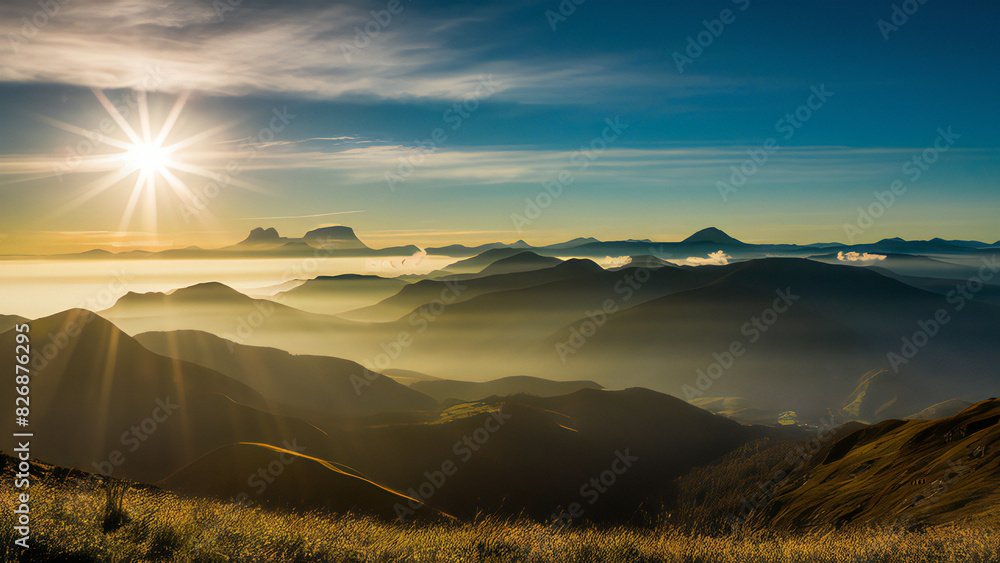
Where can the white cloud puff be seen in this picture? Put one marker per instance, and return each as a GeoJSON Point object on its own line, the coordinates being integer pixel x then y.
{"type": "Point", "coordinates": [859, 257]}
{"type": "Point", "coordinates": [611, 262]}
{"type": "Point", "coordinates": [407, 265]}
{"type": "Point", "coordinates": [718, 258]}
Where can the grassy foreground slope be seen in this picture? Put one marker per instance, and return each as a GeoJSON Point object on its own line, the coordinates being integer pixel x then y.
{"type": "Point", "coordinates": [915, 472]}
{"type": "Point", "coordinates": [69, 523]}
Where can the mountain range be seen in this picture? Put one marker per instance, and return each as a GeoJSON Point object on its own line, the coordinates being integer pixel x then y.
{"type": "Point", "coordinates": [841, 338]}
{"type": "Point", "coordinates": [341, 240]}
{"type": "Point", "coordinates": [165, 420]}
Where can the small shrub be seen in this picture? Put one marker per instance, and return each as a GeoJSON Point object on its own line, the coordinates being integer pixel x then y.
{"type": "Point", "coordinates": [164, 542]}
{"type": "Point", "coordinates": [114, 515]}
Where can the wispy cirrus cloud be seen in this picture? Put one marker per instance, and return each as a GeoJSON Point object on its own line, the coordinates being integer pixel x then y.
{"type": "Point", "coordinates": [689, 167]}
{"type": "Point", "coordinates": [358, 160]}
{"type": "Point", "coordinates": [310, 216]}
{"type": "Point", "coordinates": [296, 47]}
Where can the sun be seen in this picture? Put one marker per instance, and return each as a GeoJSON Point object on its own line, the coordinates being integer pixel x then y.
{"type": "Point", "coordinates": [147, 158]}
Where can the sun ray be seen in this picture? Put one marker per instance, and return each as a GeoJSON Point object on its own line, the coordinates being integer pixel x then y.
{"type": "Point", "coordinates": [144, 117]}
{"type": "Point", "coordinates": [133, 200]}
{"type": "Point", "coordinates": [117, 117]}
{"type": "Point", "coordinates": [200, 136]}
{"type": "Point", "coordinates": [175, 113]}
{"type": "Point", "coordinates": [150, 207]}
{"type": "Point", "coordinates": [110, 141]}
{"type": "Point", "coordinates": [206, 173]}
{"type": "Point", "coordinates": [91, 191]}
{"type": "Point", "coordinates": [178, 186]}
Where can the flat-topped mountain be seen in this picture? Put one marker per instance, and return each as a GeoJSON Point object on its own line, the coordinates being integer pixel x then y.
{"type": "Point", "coordinates": [261, 235]}
{"type": "Point", "coordinates": [336, 237]}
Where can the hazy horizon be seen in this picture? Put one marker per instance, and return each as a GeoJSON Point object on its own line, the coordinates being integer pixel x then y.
{"type": "Point", "coordinates": [11, 244]}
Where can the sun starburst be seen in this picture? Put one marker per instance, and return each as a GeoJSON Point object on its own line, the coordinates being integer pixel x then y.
{"type": "Point", "coordinates": [157, 162]}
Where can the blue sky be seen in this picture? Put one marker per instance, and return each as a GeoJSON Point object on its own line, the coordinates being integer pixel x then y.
{"type": "Point", "coordinates": [532, 95]}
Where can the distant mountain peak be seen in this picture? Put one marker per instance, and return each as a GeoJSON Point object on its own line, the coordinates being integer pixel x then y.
{"type": "Point", "coordinates": [82, 317]}
{"type": "Point", "coordinates": [334, 230]}
{"type": "Point", "coordinates": [206, 287]}
{"type": "Point", "coordinates": [261, 234]}
{"type": "Point", "coordinates": [579, 241]}
{"type": "Point", "coordinates": [713, 235]}
{"type": "Point", "coordinates": [337, 236]}
{"type": "Point", "coordinates": [211, 291]}
{"type": "Point", "coordinates": [522, 261]}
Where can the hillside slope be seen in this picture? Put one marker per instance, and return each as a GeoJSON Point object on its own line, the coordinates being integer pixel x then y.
{"type": "Point", "coordinates": [301, 482]}
{"type": "Point", "coordinates": [330, 295]}
{"type": "Point", "coordinates": [313, 387]}
{"type": "Point", "coordinates": [912, 472]}
{"type": "Point", "coordinates": [104, 402]}
{"type": "Point", "coordinates": [442, 389]}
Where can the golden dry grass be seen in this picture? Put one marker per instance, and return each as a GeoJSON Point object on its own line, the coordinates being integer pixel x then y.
{"type": "Point", "coordinates": [67, 524]}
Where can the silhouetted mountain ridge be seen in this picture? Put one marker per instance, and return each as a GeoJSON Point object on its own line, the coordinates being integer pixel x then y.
{"type": "Point", "coordinates": [712, 235]}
